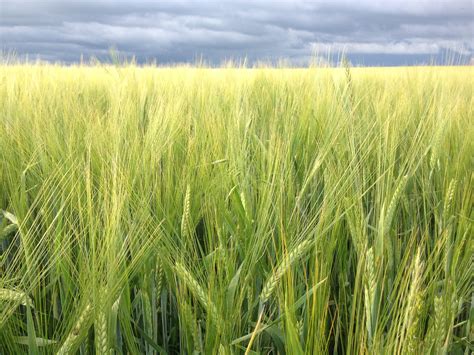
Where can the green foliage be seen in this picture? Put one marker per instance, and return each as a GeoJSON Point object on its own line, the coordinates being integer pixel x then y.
{"type": "Point", "coordinates": [235, 211]}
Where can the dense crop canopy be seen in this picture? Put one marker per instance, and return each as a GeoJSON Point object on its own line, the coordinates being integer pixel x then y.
{"type": "Point", "coordinates": [231, 211]}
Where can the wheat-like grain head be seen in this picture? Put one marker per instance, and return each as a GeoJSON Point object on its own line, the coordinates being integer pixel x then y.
{"type": "Point", "coordinates": [74, 334]}
{"type": "Point", "coordinates": [198, 291]}
{"type": "Point", "coordinates": [282, 268]}
{"type": "Point", "coordinates": [15, 296]}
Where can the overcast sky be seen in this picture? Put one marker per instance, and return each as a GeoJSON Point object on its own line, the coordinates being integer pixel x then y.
{"type": "Point", "coordinates": [371, 32]}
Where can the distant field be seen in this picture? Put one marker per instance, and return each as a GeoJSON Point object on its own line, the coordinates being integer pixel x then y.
{"type": "Point", "coordinates": [236, 211]}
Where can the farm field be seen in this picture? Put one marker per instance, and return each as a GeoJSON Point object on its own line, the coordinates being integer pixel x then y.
{"type": "Point", "coordinates": [191, 210]}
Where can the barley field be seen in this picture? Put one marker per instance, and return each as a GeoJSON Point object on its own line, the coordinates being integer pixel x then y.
{"type": "Point", "coordinates": [150, 210]}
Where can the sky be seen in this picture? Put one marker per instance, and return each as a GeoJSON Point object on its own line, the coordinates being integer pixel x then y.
{"type": "Point", "coordinates": [368, 32]}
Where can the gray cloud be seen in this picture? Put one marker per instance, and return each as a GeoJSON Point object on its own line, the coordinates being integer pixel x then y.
{"type": "Point", "coordinates": [370, 32]}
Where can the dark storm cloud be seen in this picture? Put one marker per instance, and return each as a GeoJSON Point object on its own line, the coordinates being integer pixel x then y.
{"type": "Point", "coordinates": [369, 31]}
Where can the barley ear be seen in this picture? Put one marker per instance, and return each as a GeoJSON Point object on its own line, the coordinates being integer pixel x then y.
{"type": "Point", "coordinates": [370, 289]}
{"type": "Point", "coordinates": [159, 277]}
{"type": "Point", "coordinates": [186, 212]}
{"type": "Point", "coordinates": [74, 334]}
{"type": "Point", "coordinates": [15, 296]}
{"type": "Point", "coordinates": [198, 292]}
{"type": "Point", "coordinates": [100, 327]}
{"type": "Point", "coordinates": [449, 198]}
{"type": "Point", "coordinates": [439, 321]}
{"type": "Point", "coordinates": [435, 146]}
{"type": "Point", "coordinates": [386, 224]}
{"type": "Point", "coordinates": [282, 268]}
{"type": "Point", "coordinates": [444, 228]}
{"type": "Point", "coordinates": [413, 310]}
{"type": "Point", "coordinates": [387, 221]}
